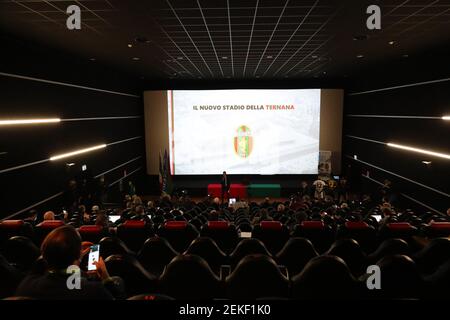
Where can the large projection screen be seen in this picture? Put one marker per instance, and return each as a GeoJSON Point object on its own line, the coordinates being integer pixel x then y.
{"type": "Point", "coordinates": [243, 131]}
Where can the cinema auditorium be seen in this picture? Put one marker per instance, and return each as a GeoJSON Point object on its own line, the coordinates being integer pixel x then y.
{"type": "Point", "coordinates": [224, 150]}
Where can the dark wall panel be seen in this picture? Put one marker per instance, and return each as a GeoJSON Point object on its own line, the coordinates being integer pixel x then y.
{"type": "Point", "coordinates": [24, 98]}
{"type": "Point", "coordinates": [419, 100]}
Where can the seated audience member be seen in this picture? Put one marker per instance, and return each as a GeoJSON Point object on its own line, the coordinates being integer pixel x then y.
{"type": "Point", "coordinates": [150, 204]}
{"type": "Point", "coordinates": [213, 215]}
{"type": "Point", "coordinates": [61, 249]}
{"type": "Point", "coordinates": [216, 203]}
{"type": "Point", "coordinates": [102, 220]}
{"type": "Point", "coordinates": [95, 209]}
{"type": "Point", "coordinates": [86, 216]}
{"type": "Point", "coordinates": [305, 190]}
{"type": "Point", "coordinates": [263, 215]}
{"type": "Point", "coordinates": [49, 215]}
{"type": "Point", "coordinates": [281, 208]}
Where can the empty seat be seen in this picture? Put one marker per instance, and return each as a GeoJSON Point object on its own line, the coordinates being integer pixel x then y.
{"type": "Point", "coordinates": [295, 254]}
{"type": "Point", "coordinates": [272, 233]}
{"type": "Point", "coordinates": [256, 276]}
{"type": "Point", "coordinates": [44, 228]}
{"type": "Point", "coordinates": [325, 277]}
{"type": "Point", "coordinates": [350, 251]}
{"type": "Point", "coordinates": [320, 234]}
{"type": "Point", "coordinates": [403, 230]}
{"type": "Point", "coordinates": [190, 277]}
{"type": "Point", "coordinates": [389, 247]}
{"type": "Point", "coordinates": [155, 254]}
{"type": "Point", "coordinates": [92, 233]}
{"type": "Point", "coordinates": [110, 246]}
{"type": "Point", "coordinates": [433, 255]}
{"type": "Point", "coordinates": [21, 252]}
{"type": "Point", "coordinates": [246, 247]}
{"type": "Point", "coordinates": [400, 278]}
{"type": "Point", "coordinates": [137, 280]}
{"type": "Point", "coordinates": [437, 229]}
{"type": "Point", "coordinates": [10, 228]}
{"type": "Point", "coordinates": [134, 233]}
{"type": "Point", "coordinates": [223, 233]}
{"type": "Point", "coordinates": [362, 232]}
{"type": "Point", "coordinates": [207, 249]}
{"type": "Point", "coordinates": [9, 278]}
{"type": "Point", "coordinates": [179, 234]}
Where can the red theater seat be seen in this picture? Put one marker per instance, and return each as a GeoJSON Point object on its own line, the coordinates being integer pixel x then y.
{"type": "Point", "coordinates": [438, 229]}
{"type": "Point", "coordinates": [44, 228]}
{"type": "Point", "coordinates": [223, 233]}
{"type": "Point", "coordinates": [273, 234]}
{"type": "Point", "coordinates": [10, 228]}
{"type": "Point", "coordinates": [360, 231]}
{"type": "Point", "coordinates": [134, 233]}
{"type": "Point", "coordinates": [92, 233]}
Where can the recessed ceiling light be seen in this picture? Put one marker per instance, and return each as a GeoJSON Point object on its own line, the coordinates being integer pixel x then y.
{"type": "Point", "coordinates": [257, 76]}
{"type": "Point", "coordinates": [70, 164]}
{"type": "Point", "coordinates": [92, 59]}
{"type": "Point", "coordinates": [224, 58]}
{"type": "Point", "coordinates": [426, 162]}
{"type": "Point", "coordinates": [391, 42]}
{"type": "Point", "coordinates": [130, 45]}
{"type": "Point", "coordinates": [359, 56]}
{"type": "Point", "coordinates": [324, 72]}
{"type": "Point", "coordinates": [405, 56]}
{"type": "Point", "coordinates": [446, 118]}
{"type": "Point", "coordinates": [179, 58]}
{"type": "Point", "coordinates": [136, 59]}
{"type": "Point", "coordinates": [314, 56]}
{"type": "Point", "coordinates": [269, 57]}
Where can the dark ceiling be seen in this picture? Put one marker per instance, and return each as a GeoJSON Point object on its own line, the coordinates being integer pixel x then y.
{"type": "Point", "coordinates": [190, 39]}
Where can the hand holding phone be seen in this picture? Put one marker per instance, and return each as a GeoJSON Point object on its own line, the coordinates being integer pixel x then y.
{"type": "Point", "coordinates": [94, 256]}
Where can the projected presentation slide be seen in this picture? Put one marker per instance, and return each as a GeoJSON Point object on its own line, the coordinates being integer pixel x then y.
{"type": "Point", "coordinates": [244, 131]}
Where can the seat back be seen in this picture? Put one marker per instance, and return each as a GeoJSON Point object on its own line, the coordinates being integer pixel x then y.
{"type": "Point", "coordinates": [256, 276]}
{"type": "Point", "coordinates": [207, 249]}
{"type": "Point", "coordinates": [223, 233]}
{"type": "Point", "coordinates": [134, 233]}
{"type": "Point", "coordinates": [10, 228]}
{"type": "Point", "coordinates": [350, 251]}
{"type": "Point", "coordinates": [179, 234]}
{"type": "Point", "coordinates": [44, 228]}
{"type": "Point", "coordinates": [295, 254]}
{"type": "Point", "coordinates": [360, 231]}
{"type": "Point", "coordinates": [137, 280]}
{"type": "Point", "coordinates": [325, 277]}
{"type": "Point", "coordinates": [320, 234]}
{"type": "Point", "coordinates": [437, 229]}
{"type": "Point", "coordinates": [273, 234]}
{"type": "Point", "coordinates": [21, 252]}
{"type": "Point", "coordinates": [190, 277]}
{"type": "Point", "coordinates": [155, 254]}
{"type": "Point", "coordinates": [92, 233]}
{"type": "Point", "coordinates": [246, 247]}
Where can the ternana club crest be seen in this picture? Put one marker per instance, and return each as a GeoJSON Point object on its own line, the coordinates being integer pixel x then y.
{"type": "Point", "coordinates": [243, 141]}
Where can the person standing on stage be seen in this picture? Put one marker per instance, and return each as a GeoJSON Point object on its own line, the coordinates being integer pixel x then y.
{"type": "Point", "coordinates": [225, 185]}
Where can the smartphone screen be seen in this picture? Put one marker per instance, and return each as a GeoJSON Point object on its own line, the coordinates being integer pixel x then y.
{"type": "Point", "coordinates": [94, 255]}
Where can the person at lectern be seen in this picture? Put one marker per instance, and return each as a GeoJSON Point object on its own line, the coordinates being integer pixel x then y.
{"type": "Point", "coordinates": [225, 186]}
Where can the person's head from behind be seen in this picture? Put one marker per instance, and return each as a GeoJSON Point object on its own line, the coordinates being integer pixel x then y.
{"type": "Point", "coordinates": [304, 184]}
{"type": "Point", "coordinates": [95, 209]}
{"type": "Point", "coordinates": [224, 173]}
{"type": "Point", "coordinates": [49, 215]}
{"type": "Point", "coordinates": [280, 207]}
{"type": "Point", "coordinates": [61, 248]}
{"type": "Point", "coordinates": [82, 209]}
{"type": "Point", "coordinates": [448, 212]}
{"type": "Point", "coordinates": [101, 220]}
{"type": "Point", "coordinates": [263, 215]}
{"type": "Point", "coordinates": [216, 201]}
{"type": "Point", "coordinates": [139, 210]}
{"type": "Point", "coordinates": [213, 215]}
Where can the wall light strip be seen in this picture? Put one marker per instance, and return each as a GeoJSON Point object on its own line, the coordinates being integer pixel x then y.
{"type": "Point", "coordinates": [431, 153]}
{"type": "Point", "coordinates": [69, 154]}
{"type": "Point", "coordinates": [446, 118]}
{"type": "Point", "coordinates": [28, 121]}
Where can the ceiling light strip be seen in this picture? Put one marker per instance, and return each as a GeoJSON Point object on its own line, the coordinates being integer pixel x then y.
{"type": "Point", "coordinates": [12, 122]}
{"type": "Point", "coordinates": [67, 84]}
{"type": "Point", "coordinates": [400, 86]}
{"type": "Point", "coordinates": [126, 176]}
{"type": "Point", "coordinates": [400, 176]}
{"type": "Point", "coordinates": [419, 150]}
{"type": "Point", "coordinates": [251, 36]}
{"type": "Point", "coordinates": [77, 152]}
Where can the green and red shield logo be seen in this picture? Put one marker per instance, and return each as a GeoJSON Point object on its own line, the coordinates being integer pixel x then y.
{"type": "Point", "coordinates": [243, 141]}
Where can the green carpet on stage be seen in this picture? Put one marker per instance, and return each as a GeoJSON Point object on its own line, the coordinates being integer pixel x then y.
{"type": "Point", "coordinates": [264, 190]}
